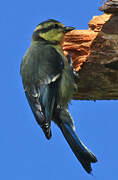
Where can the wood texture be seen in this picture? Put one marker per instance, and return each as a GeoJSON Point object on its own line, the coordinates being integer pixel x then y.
{"type": "Point", "coordinates": [95, 58]}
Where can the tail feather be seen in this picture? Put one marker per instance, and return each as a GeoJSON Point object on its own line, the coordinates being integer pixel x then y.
{"type": "Point", "coordinates": [85, 156]}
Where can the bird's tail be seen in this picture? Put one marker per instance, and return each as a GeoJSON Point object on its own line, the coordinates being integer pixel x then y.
{"type": "Point", "coordinates": [83, 154]}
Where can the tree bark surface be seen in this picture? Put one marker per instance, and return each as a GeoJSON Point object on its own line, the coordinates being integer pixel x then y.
{"type": "Point", "coordinates": [95, 58]}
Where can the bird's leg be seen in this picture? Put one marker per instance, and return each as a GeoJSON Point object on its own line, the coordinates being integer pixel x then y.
{"type": "Point", "coordinates": [70, 62]}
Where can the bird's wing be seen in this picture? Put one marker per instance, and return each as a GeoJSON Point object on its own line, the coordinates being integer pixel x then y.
{"type": "Point", "coordinates": [42, 88]}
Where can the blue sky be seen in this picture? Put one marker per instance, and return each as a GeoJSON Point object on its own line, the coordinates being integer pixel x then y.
{"type": "Point", "coordinates": [25, 154]}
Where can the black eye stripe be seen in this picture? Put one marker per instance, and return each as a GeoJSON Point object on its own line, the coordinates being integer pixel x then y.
{"type": "Point", "coordinates": [56, 26]}
{"type": "Point", "coordinates": [53, 26]}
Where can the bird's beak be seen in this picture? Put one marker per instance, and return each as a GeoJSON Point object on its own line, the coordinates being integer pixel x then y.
{"type": "Point", "coordinates": [67, 29]}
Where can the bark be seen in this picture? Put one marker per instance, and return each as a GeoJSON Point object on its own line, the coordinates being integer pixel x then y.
{"type": "Point", "coordinates": [110, 6]}
{"type": "Point", "coordinates": [95, 58]}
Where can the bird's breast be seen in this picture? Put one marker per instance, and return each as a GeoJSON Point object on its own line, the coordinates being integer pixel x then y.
{"type": "Point", "coordinates": [66, 85]}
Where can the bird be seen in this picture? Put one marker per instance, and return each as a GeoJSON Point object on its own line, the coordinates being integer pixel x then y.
{"type": "Point", "coordinates": [48, 81]}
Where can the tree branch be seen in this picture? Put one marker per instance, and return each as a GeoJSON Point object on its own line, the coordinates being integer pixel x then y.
{"type": "Point", "coordinates": [95, 58]}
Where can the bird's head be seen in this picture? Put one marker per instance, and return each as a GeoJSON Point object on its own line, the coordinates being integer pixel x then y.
{"type": "Point", "coordinates": [51, 31]}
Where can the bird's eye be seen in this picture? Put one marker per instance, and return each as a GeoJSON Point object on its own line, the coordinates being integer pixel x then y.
{"type": "Point", "coordinates": [56, 26]}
